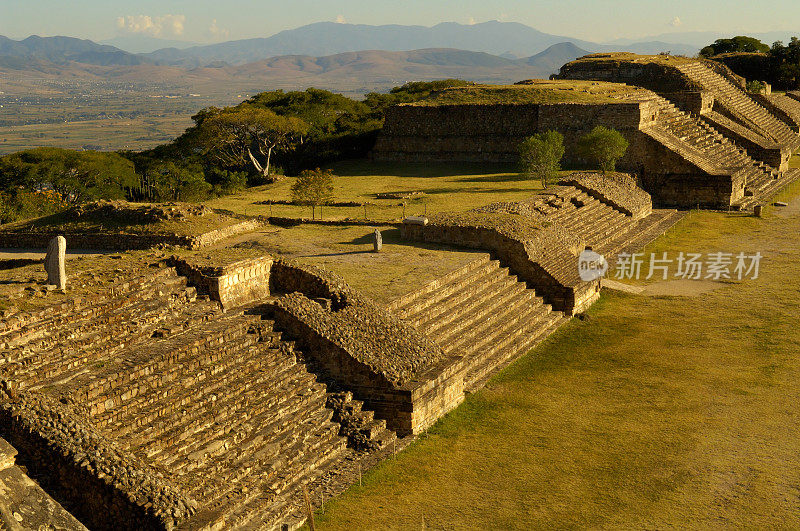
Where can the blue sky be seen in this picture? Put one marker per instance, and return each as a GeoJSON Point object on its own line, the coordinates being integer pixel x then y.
{"type": "Point", "coordinates": [210, 21]}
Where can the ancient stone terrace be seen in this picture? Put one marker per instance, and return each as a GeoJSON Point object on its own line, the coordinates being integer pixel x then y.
{"type": "Point", "coordinates": [682, 160]}
{"type": "Point", "coordinates": [497, 307]}
{"type": "Point", "coordinates": [210, 404]}
{"type": "Point", "coordinates": [705, 88]}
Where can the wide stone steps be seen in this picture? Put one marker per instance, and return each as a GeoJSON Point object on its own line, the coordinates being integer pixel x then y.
{"type": "Point", "coordinates": [485, 271]}
{"type": "Point", "coordinates": [20, 327]}
{"type": "Point", "coordinates": [738, 101]}
{"type": "Point", "coordinates": [66, 362]}
{"type": "Point", "coordinates": [508, 350]}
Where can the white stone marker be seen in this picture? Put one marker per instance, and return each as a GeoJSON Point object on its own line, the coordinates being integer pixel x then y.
{"type": "Point", "coordinates": [54, 262]}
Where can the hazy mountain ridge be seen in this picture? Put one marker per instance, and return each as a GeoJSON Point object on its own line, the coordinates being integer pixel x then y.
{"type": "Point", "coordinates": [370, 67]}
{"type": "Point", "coordinates": [329, 38]}
{"type": "Point", "coordinates": [60, 50]}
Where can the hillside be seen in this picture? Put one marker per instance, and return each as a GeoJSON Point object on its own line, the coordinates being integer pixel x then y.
{"type": "Point", "coordinates": [60, 50]}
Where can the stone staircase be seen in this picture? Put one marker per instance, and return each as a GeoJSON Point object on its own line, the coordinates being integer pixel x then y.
{"type": "Point", "coordinates": [700, 142]}
{"type": "Point", "coordinates": [482, 313]}
{"type": "Point", "coordinates": [215, 400]}
{"type": "Point", "coordinates": [739, 103]}
{"type": "Point", "coordinates": [788, 104]}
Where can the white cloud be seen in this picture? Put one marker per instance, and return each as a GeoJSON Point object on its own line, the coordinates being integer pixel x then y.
{"type": "Point", "coordinates": [163, 26]}
{"type": "Point", "coordinates": [675, 22]}
{"type": "Point", "coordinates": [217, 32]}
{"type": "Point", "coordinates": [340, 19]}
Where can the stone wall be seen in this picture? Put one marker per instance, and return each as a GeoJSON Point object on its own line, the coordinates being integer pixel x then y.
{"type": "Point", "coordinates": [403, 377]}
{"type": "Point", "coordinates": [124, 242]}
{"type": "Point", "coordinates": [235, 284]}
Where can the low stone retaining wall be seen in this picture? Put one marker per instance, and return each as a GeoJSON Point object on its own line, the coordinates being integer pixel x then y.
{"type": "Point", "coordinates": [125, 242]}
{"type": "Point", "coordinates": [235, 284]}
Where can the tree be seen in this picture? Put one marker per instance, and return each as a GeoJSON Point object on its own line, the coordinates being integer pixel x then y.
{"type": "Point", "coordinates": [77, 176]}
{"type": "Point", "coordinates": [230, 135]}
{"type": "Point", "coordinates": [313, 188]}
{"type": "Point", "coordinates": [604, 146]}
{"type": "Point", "coordinates": [736, 44]}
{"type": "Point", "coordinates": [540, 156]}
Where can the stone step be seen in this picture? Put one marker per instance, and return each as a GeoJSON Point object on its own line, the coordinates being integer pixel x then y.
{"type": "Point", "coordinates": [438, 309]}
{"type": "Point", "coordinates": [426, 300]}
{"type": "Point", "coordinates": [475, 337]}
{"type": "Point", "coordinates": [407, 299]}
{"type": "Point", "coordinates": [485, 367]}
{"type": "Point", "coordinates": [485, 314]}
{"type": "Point", "coordinates": [478, 303]}
{"type": "Point", "coordinates": [251, 393]}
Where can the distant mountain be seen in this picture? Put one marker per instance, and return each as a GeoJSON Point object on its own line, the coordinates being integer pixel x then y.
{"type": "Point", "coordinates": [138, 43]}
{"type": "Point", "coordinates": [363, 71]}
{"type": "Point", "coordinates": [552, 59]}
{"type": "Point", "coordinates": [329, 38]}
{"type": "Point", "coordinates": [60, 50]}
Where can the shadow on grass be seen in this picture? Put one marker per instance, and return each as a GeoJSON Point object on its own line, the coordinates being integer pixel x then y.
{"type": "Point", "coordinates": [501, 178]}
{"type": "Point", "coordinates": [361, 167]}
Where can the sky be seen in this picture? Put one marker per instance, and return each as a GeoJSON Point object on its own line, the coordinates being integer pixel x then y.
{"type": "Point", "coordinates": [220, 20]}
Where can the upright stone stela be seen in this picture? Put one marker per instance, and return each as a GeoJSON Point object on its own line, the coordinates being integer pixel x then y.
{"type": "Point", "coordinates": [54, 262]}
{"type": "Point", "coordinates": [378, 243]}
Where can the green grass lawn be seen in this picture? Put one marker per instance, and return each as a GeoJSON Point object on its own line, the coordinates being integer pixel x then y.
{"type": "Point", "coordinates": [655, 412]}
{"type": "Point", "coordinates": [447, 187]}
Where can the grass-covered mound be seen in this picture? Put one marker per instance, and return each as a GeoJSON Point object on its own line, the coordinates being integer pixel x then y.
{"type": "Point", "coordinates": [109, 217]}
{"type": "Point", "coordinates": [537, 91]}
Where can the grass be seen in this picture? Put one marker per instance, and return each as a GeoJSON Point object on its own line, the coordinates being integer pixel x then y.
{"type": "Point", "coordinates": [348, 251]}
{"type": "Point", "coordinates": [93, 223]}
{"type": "Point", "coordinates": [448, 187]}
{"type": "Point", "coordinates": [540, 91]}
{"type": "Point", "coordinates": [655, 412]}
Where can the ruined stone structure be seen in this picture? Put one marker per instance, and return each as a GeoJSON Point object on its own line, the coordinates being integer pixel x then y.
{"type": "Point", "coordinates": [188, 395]}
{"type": "Point", "coordinates": [696, 137]}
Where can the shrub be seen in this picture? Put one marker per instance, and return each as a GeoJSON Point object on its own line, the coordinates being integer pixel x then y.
{"type": "Point", "coordinates": [540, 156]}
{"type": "Point", "coordinates": [603, 146]}
{"type": "Point", "coordinates": [755, 86]}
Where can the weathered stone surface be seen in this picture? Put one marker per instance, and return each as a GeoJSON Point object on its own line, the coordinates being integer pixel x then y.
{"type": "Point", "coordinates": [54, 262]}
{"type": "Point", "coordinates": [377, 242]}
{"type": "Point", "coordinates": [23, 503]}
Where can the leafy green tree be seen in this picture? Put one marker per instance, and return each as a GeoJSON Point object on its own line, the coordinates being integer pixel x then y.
{"type": "Point", "coordinates": [231, 135]}
{"type": "Point", "coordinates": [313, 188]}
{"type": "Point", "coordinates": [77, 176]}
{"type": "Point", "coordinates": [603, 146]}
{"type": "Point", "coordinates": [174, 182]}
{"type": "Point", "coordinates": [736, 44]}
{"type": "Point", "coordinates": [540, 156]}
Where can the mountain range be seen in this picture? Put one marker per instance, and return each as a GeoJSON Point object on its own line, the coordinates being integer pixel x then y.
{"type": "Point", "coordinates": [507, 39]}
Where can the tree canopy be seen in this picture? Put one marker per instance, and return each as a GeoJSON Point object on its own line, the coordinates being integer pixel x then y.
{"type": "Point", "coordinates": [540, 156]}
{"type": "Point", "coordinates": [231, 135]}
{"type": "Point", "coordinates": [313, 188]}
{"type": "Point", "coordinates": [76, 176]}
{"type": "Point", "coordinates": [603, 146]}
{"type": "Point", "coordinates": [735, 44]}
